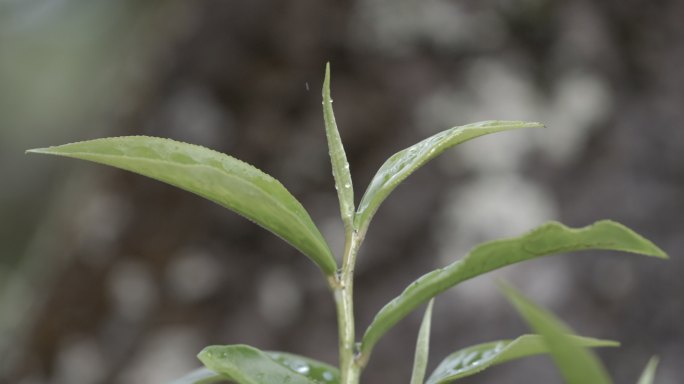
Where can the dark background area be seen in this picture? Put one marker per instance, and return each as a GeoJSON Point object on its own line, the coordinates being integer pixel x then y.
{"type": "Point", "coordinates": [108, 277]}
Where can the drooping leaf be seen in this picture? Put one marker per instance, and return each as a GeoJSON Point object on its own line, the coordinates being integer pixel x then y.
{"type": "Point", "coordinates": [403, 163]}
{"type": "Point", "coordinates": [649, 372]}
{"type": "Point", "coordinates": [477, 358]}
{"type": "Point", "coordinates": [420, 359]}
{"type": "Point", "coordinates": [247, 365]}
{"type": "Point", "coordinates": [340, 166]}
{"type": "Point", "coordinates": [577, 364]}
{"type": "Point", "coordinates": [201, 376]}
{"type": "Point", "coordinates": [548, 239]}
{"type": "Point", "coordinates": [220, 178]}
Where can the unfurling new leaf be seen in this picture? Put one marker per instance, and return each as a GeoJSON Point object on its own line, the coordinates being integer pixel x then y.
{"type": "Point", "coordinates": [220, 178]}
{"type": "Point", "coordinates": [340, 166]}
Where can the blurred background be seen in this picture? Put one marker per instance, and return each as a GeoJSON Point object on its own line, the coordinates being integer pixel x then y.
{"type": "Point", "coordinates": [107, 277]}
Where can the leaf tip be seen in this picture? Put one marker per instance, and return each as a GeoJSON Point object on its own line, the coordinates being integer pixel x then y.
{"type": "Point", "coordinates": [37, 150]}
{"type": "Point", "coordinates": [326, 81]}
{"type": "Point", "coordinates": [644, 245]}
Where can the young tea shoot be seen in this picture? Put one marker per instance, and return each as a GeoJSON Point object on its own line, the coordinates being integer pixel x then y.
{"type": "Point", "coordinates": [249, 192]}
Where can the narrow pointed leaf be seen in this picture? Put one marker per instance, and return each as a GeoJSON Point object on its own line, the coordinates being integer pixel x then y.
{"type": "Point", "coordinates": [420, 360]}
{"type": "Point", "coordinates": [577, 364]}
{"type": "Point", "coordinates": [548, 239]}
{"type": "Point", "coordinates": [201, 376]}
{"type": "Point", "coordinates": [246, 365]}
{"type": "Point", "coordinates": [340, 166]}
{"type": "Point", "coordinates": [649, 372]}
{"type": "Point", "coordinates": [220, 178]}
{"type": "Point", "coordinates": [402, 164]}
{"type": "Point", "coordinates": [477, 358]}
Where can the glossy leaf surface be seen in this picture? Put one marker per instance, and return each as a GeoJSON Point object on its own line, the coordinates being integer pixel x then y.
{"type": "Point", "coordinates": [201, 376]}
{"type": "Point", "coordinates": [477, 358]}
{"type": "Point", "coordinates": [577, 365]}
{"type": "Point", "coordinates": [420, 359]}
{"type": "Point", "coordinates": [340, 166]}
{"type": "Point", "coordinates": [548, 239]}
{"type": "Point", "coordinates": [402, 164]}
{"type": "Point", "coordinates": [220, 178]}
{"type": "Point", "coordinates": [648, 375]}
{"type": "Point", "coordinates": [247, 365]}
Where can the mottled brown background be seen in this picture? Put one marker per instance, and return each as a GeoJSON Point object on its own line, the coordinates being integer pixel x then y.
{"type": "Point", "coordinates": [107, 277]}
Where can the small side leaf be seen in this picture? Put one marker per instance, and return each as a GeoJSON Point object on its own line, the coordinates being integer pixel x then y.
{"type": "Point", "coordinates": [246, 365]}
{"type": "Point", "coordinates": [215, 176]}
{"type": "Point", "coordinates": [340, 166]}
{"type": "Point", "coordinates": [577, 365]}
{"type": "Point", "coordinates": [422, 347]}
{"type": "Point", "coordinates": [201, 376]}
{"type": "Point", "coordinates": [649, 372]}
{"type": "Point", "coordinates": [402, 164]}
{"type": "Point", "coordinates": [548, 239]}
{"type": "Point", "coordinates": [477, 358]}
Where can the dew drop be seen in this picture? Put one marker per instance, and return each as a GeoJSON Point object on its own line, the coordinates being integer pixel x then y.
{"type": "Point", "coordinates": [347, 185]}
{"type": "Point", "coordinates": [300, 367]}
{"type": "Point", "coordinates": [328, 376]}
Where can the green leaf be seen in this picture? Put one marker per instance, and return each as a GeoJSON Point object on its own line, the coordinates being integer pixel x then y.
{"type": "Point", "coordinates": [422, 347]}
{"type": "Point", "coordinates": [548, 239]}
{"type": "Point", "coordinates": [477, 358]}
{"type": "Point", "coordinates": [340, 166]}
{"type": "Point", "coordinates": [201, 376]}
{"type": "Point", "coordinates": [400, 165]}
{"type": "Point", "coordinates": [649, 372]}
{"type": "Point", "coordinates": [316, 370]}
{"type": "Point", "coordinates": [220, 178]}
{"type": "Point", "coordinates": [577, 365]}
{"type": "Point", "coordinates": [247, 365]}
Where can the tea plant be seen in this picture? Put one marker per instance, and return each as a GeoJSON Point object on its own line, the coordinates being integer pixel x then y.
{"type": "Point", "coordinates": [257, 196]}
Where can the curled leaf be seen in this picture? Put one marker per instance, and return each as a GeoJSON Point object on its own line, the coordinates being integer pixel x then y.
{"type": "Point", "coordinates": [340, 166]}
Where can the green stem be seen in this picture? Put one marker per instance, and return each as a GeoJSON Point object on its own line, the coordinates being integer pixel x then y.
{"type": "Point", "coordinates": [343, 288]}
